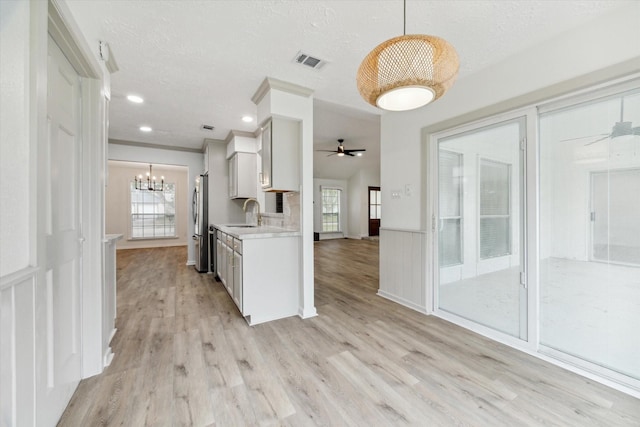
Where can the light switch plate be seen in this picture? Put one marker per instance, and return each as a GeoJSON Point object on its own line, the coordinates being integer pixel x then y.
{"type": "Point", "coordinates": [408, 190]}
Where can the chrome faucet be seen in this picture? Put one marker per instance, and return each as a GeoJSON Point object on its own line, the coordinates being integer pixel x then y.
{"type": "Point", "coordinates": [244, 208]}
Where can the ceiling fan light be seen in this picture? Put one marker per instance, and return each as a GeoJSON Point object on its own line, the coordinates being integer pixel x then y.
{"type": "Point", "coordinates": [419, 66]}
{"type": "Point", "coordinates": [340, 154]}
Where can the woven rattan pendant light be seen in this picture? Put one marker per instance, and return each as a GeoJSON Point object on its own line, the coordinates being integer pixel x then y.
{"type": "Point", "coordinates": [407, 72]}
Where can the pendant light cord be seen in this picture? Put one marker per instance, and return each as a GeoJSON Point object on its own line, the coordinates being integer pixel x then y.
{"type": "Point", "coordinates": [404, 12]}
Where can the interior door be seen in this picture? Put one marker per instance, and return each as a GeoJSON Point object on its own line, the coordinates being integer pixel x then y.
{"type": "Point", "coordinates": [374, 211]}
{"type": "Point", "coordinates": [63, 241]}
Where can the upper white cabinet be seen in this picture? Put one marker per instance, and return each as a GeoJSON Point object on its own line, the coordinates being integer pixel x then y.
{"type": "Point", "coordinates": [242, 162]}
{"type": "Point", "coordinates": [281, 141]}
{"type": "Point", "coordinates": [242, 176]}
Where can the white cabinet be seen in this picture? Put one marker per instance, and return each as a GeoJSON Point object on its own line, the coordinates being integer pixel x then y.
{"type": "Point", "coordinates": [229, 265]}
{"type": "Point", "coordinates": [237, 275]}
{"type": "Point", "coordinates": [229, 269]}
{"type": "Point", "coordinates": [242, 176]}
{"type": "Point", "coordinates": [261, 275]}
{"type": "Point", "coordinates": [221, 253]}
{"type": "Point", "coordinates": [280, 156]}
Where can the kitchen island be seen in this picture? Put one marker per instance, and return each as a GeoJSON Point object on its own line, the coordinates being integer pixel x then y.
{"type": "Point", "coordinates": [260, 268]}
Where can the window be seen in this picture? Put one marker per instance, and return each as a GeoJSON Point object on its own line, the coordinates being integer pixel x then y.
{"type": "Point", "coordinates": [331, 209]}
{"type": "Point", "coordinates": [450, 205]}
{"type": "Point", "coordinates": [375, 201]}
{"type": "Point", "coordinates": [153, 213]}
{"type": "Point", "coordinates": [495, 214]}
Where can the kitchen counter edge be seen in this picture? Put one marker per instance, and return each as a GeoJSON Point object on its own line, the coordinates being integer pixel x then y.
{"type": "Point", "coordinates": [262, 232]}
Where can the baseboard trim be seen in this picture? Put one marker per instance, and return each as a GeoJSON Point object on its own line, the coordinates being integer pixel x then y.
{"type": "Point", "coordinates": [306, 314]}
{"type": "Point", "coordinates": [191, 262]}
{"type": "Point", "coordinates": [403, 302]}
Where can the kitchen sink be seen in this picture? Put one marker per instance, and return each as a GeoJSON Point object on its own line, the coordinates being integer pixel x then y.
{"type": "Point", "coordinates": [241, 226]}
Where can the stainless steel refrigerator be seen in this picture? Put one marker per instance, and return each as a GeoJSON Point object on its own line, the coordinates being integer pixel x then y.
{"type": "Point", "coordinates": [201, 223]}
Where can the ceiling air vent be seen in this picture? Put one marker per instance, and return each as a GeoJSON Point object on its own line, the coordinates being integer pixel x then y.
{"type": "Point", "coordinates": [308, 60]}
{"type": "Point", "coordinates": [207, 127]}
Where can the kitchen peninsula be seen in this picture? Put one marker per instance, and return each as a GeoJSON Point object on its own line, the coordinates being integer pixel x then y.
{"type": "Point", "coordinates": [259, 267]}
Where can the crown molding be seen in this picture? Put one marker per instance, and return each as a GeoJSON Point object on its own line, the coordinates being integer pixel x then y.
{"type": "Point", "coordinates": [156, 146]}
{"type": "Point", "coordinates": [270, 83]}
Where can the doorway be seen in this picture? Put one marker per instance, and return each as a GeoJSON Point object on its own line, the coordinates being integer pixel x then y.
{"type": "Point", "coordinates": [374, 211]}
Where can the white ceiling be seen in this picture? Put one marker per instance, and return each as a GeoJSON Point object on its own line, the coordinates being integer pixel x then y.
{"type": "Point", "coordinates": [199, 62]}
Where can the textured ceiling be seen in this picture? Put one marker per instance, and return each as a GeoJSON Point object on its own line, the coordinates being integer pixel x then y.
{"type": "Point", "coordinates": [199, 62]}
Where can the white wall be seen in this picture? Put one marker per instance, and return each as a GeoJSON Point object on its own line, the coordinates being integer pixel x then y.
{"type": "Point", "coordinates": [118, 202]}
{"type": "Point", "coordinates": [193, 161]}
{"type": "Point", "coordinates": [16, 210]}
{"type": "Point", "coordinates": [222, 209]}
{"type": "Point", "coordinates": [344, 205]}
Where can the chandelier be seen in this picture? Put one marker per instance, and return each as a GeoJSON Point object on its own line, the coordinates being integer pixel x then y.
{"type": "Point", "coordinates": [151, 184]}
{"type": "Point", "coordinates": [408, 71]}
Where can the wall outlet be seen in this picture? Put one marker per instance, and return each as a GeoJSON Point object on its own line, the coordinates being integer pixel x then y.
{"type": "Point", "coordinates": [396, 194]}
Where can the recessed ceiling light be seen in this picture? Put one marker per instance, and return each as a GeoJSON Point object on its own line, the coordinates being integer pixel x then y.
{"type": "Point", "coordinates": [135, 99]}
{"type": "Point", "coordinates": [145, 129]}
{"type": "Point", "coordinates": [247, 119]}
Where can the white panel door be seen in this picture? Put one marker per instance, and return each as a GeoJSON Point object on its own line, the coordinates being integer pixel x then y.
{"type": "Point", "coordinates": [63, 249]}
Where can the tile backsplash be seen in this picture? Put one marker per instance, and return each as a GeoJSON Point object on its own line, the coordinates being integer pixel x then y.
{"type": "Point", "coordinates": [289, 219]}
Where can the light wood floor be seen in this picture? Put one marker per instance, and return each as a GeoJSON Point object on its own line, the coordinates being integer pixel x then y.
{"type": "Point", "coordinates": [184, 356]}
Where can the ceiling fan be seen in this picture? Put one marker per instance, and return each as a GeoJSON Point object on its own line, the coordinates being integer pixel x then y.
{"type": "Point", "coordinates": [620, 128]}
{"type": "Point", "coordinates": [342, 152]}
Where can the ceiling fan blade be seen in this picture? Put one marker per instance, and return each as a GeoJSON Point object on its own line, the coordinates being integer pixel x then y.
{"type": "Point", "coordinates": [584, 137]}
{"type": "Point", "coordinates": [333, 154]}
{"type": "Point", "coordinates": [354, 151]}
{"type": "Point", "coordinates": [597, 140]}
{"type": "Point", "coordinates": [349, 154]}
{"type": "Point", "coordinates": [328, 151]}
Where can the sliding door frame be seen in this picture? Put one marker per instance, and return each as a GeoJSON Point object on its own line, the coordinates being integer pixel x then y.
{"type": "Point", "coordinates": [528, 217]}
{"type": "Point", "coordinates": [531, 112]}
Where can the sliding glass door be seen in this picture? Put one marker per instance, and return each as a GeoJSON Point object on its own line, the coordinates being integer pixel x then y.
{"type": "Point", "coordinates": [480, 227]}
{"type": "Point", "coordinates": [590, 232]}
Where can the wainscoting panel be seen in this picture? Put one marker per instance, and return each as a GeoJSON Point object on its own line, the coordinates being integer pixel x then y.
{"type": "Point", "coordinates": [17, 352]}
{"type": "Point", "coordinates": [402, 268]}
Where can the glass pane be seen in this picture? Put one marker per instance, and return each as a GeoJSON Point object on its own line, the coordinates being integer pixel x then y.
{"type": "Point", "coordinates": [494, 188]}
{"type": "Point", "coordinates": [494, 237]}
{"type": "Point", "coordinates": [153, 212]}
{"type": "Point", "coordinates": [479, 276]}
{"type": "Point", "coordinates": [450, 248]}
{"type": "Point", "coordinates": [450, 168]}
{"type": "Point", "coordinates": [590, 232]}
{"type": "Point", "coordinates": [331, 209]}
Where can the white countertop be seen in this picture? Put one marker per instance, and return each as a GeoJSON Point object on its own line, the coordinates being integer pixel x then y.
{"type": "Point", "coordinates": [262, 232]}
{"type": "Point", "coordinates": [111, 237]}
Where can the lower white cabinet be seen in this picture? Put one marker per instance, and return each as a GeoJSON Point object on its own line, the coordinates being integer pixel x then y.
{"type": "Point", "coordinates": [260, 274]}
{"type": "Point", "coordinates": [237, 280]}
{"type": "Point", "coordinates": [229, 265]}
{"type": "Point", "coordinates": [221, 264]}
